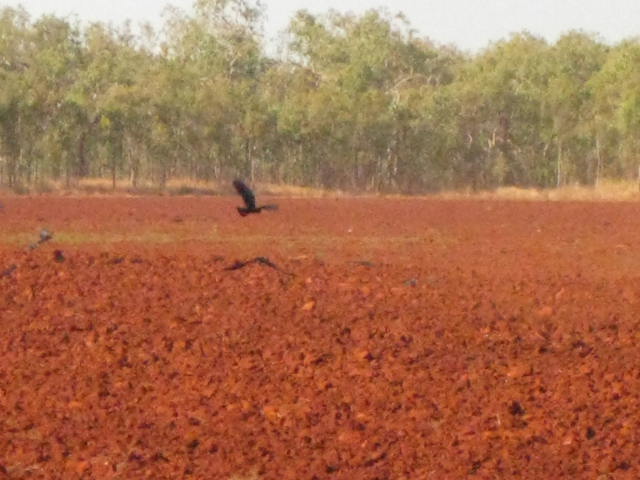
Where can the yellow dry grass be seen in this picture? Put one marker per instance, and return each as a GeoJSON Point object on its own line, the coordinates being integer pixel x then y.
{"type": "Point", "coordinates": [176, 186]}
{"type": "Point", "coordinates": [607, 190]}
{"type": "Point", "coordinates": [298, 191]}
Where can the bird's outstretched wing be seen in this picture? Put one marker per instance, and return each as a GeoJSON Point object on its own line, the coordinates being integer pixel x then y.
{"type": "Point", "coordinates": [246, 194]}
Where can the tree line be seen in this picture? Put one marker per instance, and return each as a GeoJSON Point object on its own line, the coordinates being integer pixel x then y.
{"type": "Point", "coordinates": [355, 102]}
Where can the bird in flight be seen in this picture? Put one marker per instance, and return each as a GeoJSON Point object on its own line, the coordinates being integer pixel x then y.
{"type": "Point", "coordinates": [249, 200]}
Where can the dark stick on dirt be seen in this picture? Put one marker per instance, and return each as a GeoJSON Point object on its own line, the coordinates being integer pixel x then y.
{"type": "Point", "coordinates": [45, 236]}
{"type": "Point", "coordinates": [259, 260]}
{"type": "Point", "coordinates": [8, 271]}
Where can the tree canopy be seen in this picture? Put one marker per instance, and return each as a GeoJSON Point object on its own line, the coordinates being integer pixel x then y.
{"type": "Point", "coordinates": [357, 102]}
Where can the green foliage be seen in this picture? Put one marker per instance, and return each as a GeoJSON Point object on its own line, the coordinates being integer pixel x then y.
{"type": "Point", "coordinates": [356, 102]}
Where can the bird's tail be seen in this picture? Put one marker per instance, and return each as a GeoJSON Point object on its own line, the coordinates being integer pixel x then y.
{"type": "Point", "coordinates": [272, 206]}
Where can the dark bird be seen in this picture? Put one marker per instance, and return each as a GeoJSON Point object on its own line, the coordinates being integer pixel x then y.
{"type": "Point", "coordinates": [249, 200]}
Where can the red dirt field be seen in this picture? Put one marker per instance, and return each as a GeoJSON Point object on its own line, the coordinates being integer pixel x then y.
{"type": "Point", "coordinates": [414, 339]}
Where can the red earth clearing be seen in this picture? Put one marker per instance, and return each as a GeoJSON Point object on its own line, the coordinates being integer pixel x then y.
{"type": "Point", "coordinates": [398, 339]}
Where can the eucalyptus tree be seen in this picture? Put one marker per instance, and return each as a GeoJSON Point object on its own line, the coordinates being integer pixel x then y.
{"type": "Point", "coordinates": [215, 61]}
{"type": "Point", "coordinates": [56, 60]}
{"type": "Point", "coordinates": [616, 111]}
{"type": "Point", "coordinates": [499, 97]}
{"type": "Point", "coordinates": [14, 60]}
{"type": "Point", "coordinates": [351, 111]}
{"type": "Point", "coordinates": [575, 59]}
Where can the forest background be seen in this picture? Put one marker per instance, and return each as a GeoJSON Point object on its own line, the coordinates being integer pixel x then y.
{"type": "Point", "coordinates": [354, 102]}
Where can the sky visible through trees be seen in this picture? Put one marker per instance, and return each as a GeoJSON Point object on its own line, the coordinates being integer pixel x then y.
{"type": "Point", "coordinates": [359, 102]}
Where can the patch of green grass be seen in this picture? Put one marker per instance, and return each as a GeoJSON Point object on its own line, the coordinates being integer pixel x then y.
{"type": "Point", "coordinates": [320, 244]}
{"type": "Point", "coordinates": [80, 238]}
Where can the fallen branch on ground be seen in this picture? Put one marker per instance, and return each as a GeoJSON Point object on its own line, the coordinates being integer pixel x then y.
{"type": "Point", "coordinates": [260, 260]}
